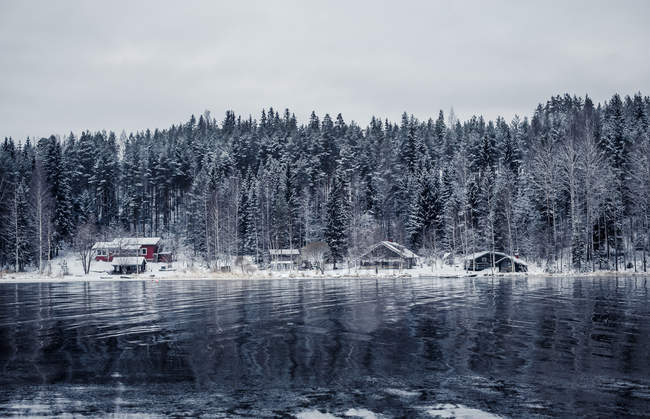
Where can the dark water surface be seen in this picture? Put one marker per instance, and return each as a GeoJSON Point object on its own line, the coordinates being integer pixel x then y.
{"type": "Point", "coordinates": [517, 347]}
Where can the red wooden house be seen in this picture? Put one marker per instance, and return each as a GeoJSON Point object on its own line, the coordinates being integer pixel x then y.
{"type": "Point", "coordinates": [147, 247]}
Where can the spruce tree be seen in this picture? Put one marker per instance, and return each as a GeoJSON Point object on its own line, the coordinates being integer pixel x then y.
{"type": "Point", "coordinates": [247, 218]}
{"type": "Point", "coordinates": [337, 222]}
{"type": "Point", "coordinates": [20, 229]}
{"type": "Point", "coordinates": [197, 220]}
{"type": "Point", "coordinates": [425, 212]}
{"type": "Point", "coordinates": [439, 137]}
{"type": "Point", "coordinates": [57, 172]}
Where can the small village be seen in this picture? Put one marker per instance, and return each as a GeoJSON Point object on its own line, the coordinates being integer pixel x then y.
{"type": "Point", "coordinates": [147, 255]}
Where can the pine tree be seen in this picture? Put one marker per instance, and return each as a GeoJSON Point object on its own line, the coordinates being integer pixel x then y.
{"type": "Point", "coordinates": [251, 241]}
{"type": "Point", "coordinates": [247, 212]}
{"type": "Point", "coordinates": [57, 172]}
{"type": "Point", "coordinates": [197, 226]}
{"type": "Point", "coordinates": [425, 212]}
{"type": "Point", "coordinates": [439, 138]}
{"type": "Point", "coordinates": [615, 141]}
{"type": "Point", "coordinates": [337, 223]}
{"type": "Point", "coordinates": [451, 207]}
{"type": "Point", "coordinates": [20, 231]}
{"type": "Point", "coordinates": [102, 179]}
{"type": "Point", "coordinates": [412, 149]}
{"type": "Point", "coordinates": [7, 173]}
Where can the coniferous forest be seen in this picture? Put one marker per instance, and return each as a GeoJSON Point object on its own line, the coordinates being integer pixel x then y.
{"type": "Point", "coordinates": [568, 187]}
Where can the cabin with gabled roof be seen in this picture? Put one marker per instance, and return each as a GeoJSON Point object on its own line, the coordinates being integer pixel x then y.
{"type": "Point", "coordinates": [146, 247]}
{"type": "Point", "coordinates": [129, 265]}
{"type": "Point", "coordinates": [388, 255]}
{"type": "Point", "coordinates": [500, 261]}
{"type": "Point", "coordinates": [284, 259]}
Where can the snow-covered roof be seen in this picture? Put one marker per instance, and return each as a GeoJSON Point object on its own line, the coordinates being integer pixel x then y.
{"type": "Point", "coordinates": [128, 243]}
{"type": "Point", "coordinates": [480, 254]}
{"type": "Point", "coordinates": [400, 249]}
{"type": "Point", "coordinates": [275, 252]}
{"type": "Point", "coordinates": [130, 246]}
{"type": "Point", "coordinates": [514, 259]}
{"type": "Point", "coordinates": [498, 257]}
{"type": "Point", "coordinates": [397, 248]}
{"type": "Point", "coordinates": [128, 261]}
{"type": "Point", "coordinates": [140, 241]}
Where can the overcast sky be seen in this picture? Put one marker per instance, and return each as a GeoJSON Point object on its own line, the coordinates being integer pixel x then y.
{"type": "Point", "coordinates": [75, 65]}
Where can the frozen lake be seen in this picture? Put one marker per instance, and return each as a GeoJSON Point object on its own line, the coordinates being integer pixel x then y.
{"type": "Point", "coordinates": [412, 347]}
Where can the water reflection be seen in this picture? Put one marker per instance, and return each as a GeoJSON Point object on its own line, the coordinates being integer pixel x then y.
{"type": "Point", "coordinates": [514, 347]}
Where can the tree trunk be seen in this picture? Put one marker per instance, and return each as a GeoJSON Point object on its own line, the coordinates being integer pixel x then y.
{"type": "Point", "coordinates": [16, 227]}
{"type": "Point", "coordinates": [39, 212]}
{"type": "Point", "coordinates": [633, 243]}
{"type": "Point", "coordinates": [49, 249]}
{"type": "Point", "coordinates": [616, 243]}
{"type": "Point", "coordinates": [607, 241]}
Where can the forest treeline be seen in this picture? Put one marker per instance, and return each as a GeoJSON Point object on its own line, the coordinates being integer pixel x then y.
{"type": "Point", "coordinates": [568, 187]}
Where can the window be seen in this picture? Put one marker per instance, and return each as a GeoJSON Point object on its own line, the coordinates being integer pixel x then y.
{"type": "Point", "coordinates": [143, 251]}
{"type": "Point", "coordinates": [101, 252]}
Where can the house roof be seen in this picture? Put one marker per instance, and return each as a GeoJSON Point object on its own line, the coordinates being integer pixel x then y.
{"type": "Point", "coordinates": [275, 252]}
{"type": "Point", "coordinates": [130, 246]}
{"type": "Point", "coordinates": [499, 256]}
{"type": "Point", "coordinates": [140, 241]}
{"type": "Point", "coordinates": [128, 261]}
{"type": "Point", "coordinates": [481, 254]}
{"type": "Point", "coordinates": [396, 248]}
{"type": "Point", "coordinates": [128, 243]}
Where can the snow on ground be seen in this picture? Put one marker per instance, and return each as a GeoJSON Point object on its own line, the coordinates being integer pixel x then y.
{"type": "Point", "coordinates": [190, 269]}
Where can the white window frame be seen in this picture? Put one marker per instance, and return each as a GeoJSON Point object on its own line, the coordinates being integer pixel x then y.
{"type": "Point", "coordinates": [143, 251]}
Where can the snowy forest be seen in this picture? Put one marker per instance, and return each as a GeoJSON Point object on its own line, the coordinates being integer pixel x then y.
{"type": "Point", "coordinates": [568, 187]}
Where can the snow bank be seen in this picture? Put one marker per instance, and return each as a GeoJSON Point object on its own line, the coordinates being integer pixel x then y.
{"type": "Point", "coordinates": [187, 269]}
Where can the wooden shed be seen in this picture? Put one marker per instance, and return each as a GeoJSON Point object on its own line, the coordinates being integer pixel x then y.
{"type": "Point", "coordinates": [387, 254]}
{"type": "Point", "coordinates": [501, 262]}
{"type": "Point", "coordinates": [129, 265]}
{"type": "Point", "coordinates": [284, 259]}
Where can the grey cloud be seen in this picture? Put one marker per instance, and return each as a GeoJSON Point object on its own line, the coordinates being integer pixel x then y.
{"type": "Point", "coordinates": [76, 65]}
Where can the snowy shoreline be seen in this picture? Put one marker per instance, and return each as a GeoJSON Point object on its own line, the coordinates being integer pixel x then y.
{"type": "Point", "coordinates": [188, 271]}
{"type": "Point", "coordinates": [27, 277]}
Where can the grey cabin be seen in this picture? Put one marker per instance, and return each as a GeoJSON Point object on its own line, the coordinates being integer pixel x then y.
{"type": "Point", "coordinates": [502, 262]}
{"type": "Point", "coordinates": [387, 254]}
{"type": "Point", "coordinates": [284, 259]}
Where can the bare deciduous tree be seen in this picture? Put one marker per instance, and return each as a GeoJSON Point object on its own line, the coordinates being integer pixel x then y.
{"type": "Point", "coordinates": [569, 168]}
{"type": "Point", "coordinates": [545, 178]}
{"type": "Point", "coordinates": [250, 269]}
{"type": "Point", "coordinates": [590, 162]}
{"type": "Point", "coordinates": [241, 262]}
{"type": "Point", "coordinates": [41, 203]}
{"type": "Point", "coordinates": [83, 244]}
{"type": "Point", "coordinates": [316, 253]}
